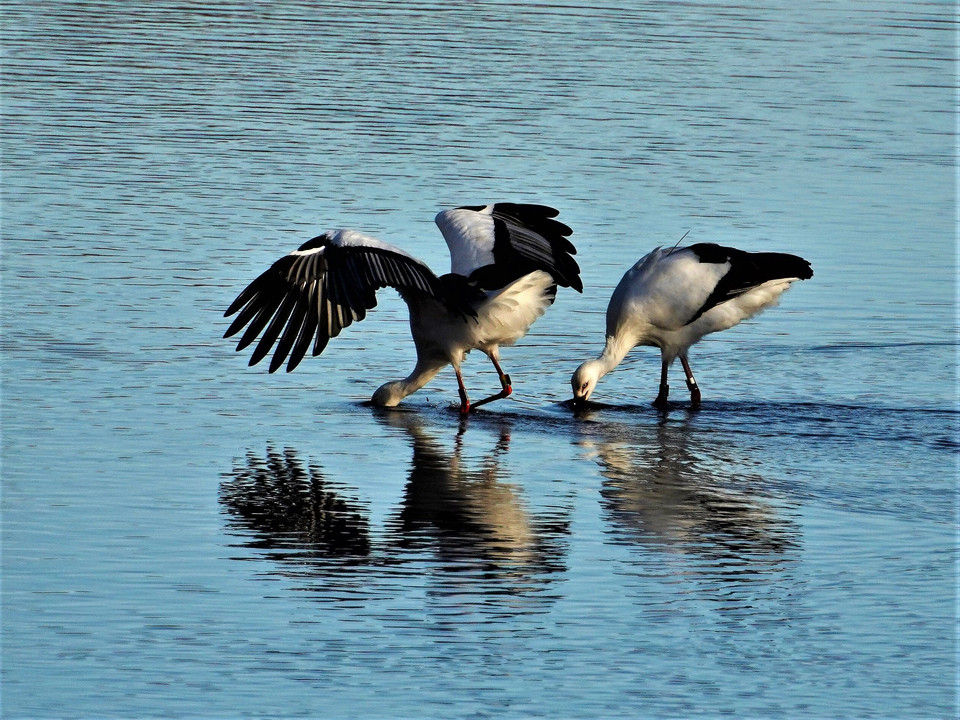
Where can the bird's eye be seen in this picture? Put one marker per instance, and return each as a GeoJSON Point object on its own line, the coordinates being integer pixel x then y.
{"type": "Point", "coordinates": [584, 386]}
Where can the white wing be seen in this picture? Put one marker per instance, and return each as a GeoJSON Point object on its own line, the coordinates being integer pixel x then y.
{"type": "Point", "coordinates": [470, 234]}
{"type": "Point", "coordinates": [493, 245]}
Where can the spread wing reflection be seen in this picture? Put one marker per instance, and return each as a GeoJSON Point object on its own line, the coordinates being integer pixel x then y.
{"type": "Point", "coordinates": [291, 511]}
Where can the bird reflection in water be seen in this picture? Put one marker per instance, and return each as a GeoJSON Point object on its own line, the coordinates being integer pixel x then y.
{"type": "Point", "coordinates": [467, 515]}
{"type": "Point", "coordinates": [457, 521]}
{"type": "Point", "coordinates": [291, 511]}
{"type": "Point", "coordinates": [673, 488]}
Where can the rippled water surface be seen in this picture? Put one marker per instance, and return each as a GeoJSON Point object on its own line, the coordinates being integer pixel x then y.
{"type": "Point", "coordinates": [185, 536]}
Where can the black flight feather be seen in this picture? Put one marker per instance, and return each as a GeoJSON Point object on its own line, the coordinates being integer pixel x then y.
{"type": "Point", "coordinates": [314, 293]}
{"type": "Point", "coordinates": [747, 271]}
{"type": "Point", "coordinates": [527, 238]}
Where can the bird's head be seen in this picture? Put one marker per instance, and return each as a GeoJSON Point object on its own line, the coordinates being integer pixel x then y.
{"type": "Point", "coordinates": [584, 380]}
{"type": "Point", "coordinates": [389, 394]}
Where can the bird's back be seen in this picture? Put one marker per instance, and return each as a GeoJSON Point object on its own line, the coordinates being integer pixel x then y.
{"type": "Point", "coordinates": [663, 290]}
{"type": "Point", "coordinates": [671, 289]}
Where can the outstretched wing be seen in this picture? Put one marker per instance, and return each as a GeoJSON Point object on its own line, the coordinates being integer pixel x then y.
{"type": "Point", "coordinates": [322, 287]}
{"type": "Point", "coordinates": [493, 245]}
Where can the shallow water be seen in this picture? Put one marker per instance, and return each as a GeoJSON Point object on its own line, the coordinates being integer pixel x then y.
{"type": "Point", "coordinates": [183, 535]}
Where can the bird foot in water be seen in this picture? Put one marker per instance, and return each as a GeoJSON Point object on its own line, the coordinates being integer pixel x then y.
{"type": "Point", "coordinates": [660, 402]}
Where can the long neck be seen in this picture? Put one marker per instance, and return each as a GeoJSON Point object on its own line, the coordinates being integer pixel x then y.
{"type": "Point", "coordinates": [423, 373]}
{"type": "Point", "coordinates": [614, 351]}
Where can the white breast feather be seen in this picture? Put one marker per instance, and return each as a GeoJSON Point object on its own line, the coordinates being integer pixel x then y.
{"type": "Point", "coordinates": [508, 314]}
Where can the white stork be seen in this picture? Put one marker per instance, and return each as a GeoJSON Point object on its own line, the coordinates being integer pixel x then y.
{"type": "Point", "coordinates": [507, 260]}
{"type": "Point", "coordinates": [672, 298]}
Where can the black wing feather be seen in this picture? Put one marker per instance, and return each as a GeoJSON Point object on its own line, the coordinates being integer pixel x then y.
{"type": "Point", "coordinates": [290, 335]}
{"type": "Point", "coordinates": [527, 238]}
{"type": "Point", "coordinates": [323, 335]}
{"type": "Point", "coordinates": [267, 307]}
{"type": "Point", "coordinates": [307, 331]}
{"type": "Point", "coordinates": [308, 296]}
{"type": "Point", "coordinates": [270, 335]}
{"type": "Point", "coordinates": [747, 271]}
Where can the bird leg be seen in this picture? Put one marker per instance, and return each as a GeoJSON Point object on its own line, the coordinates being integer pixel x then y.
{"type": "Point", "coordinates": [464, 400]}
{"type": "Point", "coordinates": [661, 399]}
{"type": "Point", "coordinates": [691, 384]}
{"type": "Point", "coordinates": [505, 386]}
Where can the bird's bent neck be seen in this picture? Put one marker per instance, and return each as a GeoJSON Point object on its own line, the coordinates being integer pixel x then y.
{"type": "Point", "coordinates": [422, 374]}
{"type": "Point", "coordinates": [391, 393]}
{"type": "Point", "coordinates": [614, 351]}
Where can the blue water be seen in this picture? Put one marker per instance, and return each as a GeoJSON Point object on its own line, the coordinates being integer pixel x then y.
{"type": "Point", "coordinates": [184, 536]}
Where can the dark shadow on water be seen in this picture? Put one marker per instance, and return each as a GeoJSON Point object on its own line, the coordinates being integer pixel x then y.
{"type": "Point", "coordinates": [933, 428]}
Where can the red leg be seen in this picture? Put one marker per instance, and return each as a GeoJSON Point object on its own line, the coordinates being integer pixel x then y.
{"type": "Point", "coordinates": [661, 400]}
{"type": "Point", "coordinates": [464, 400]}
{"type": "Point", "coordinates": [691, 383]}
{"type": "Point", "coordinates": [505, 386]}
